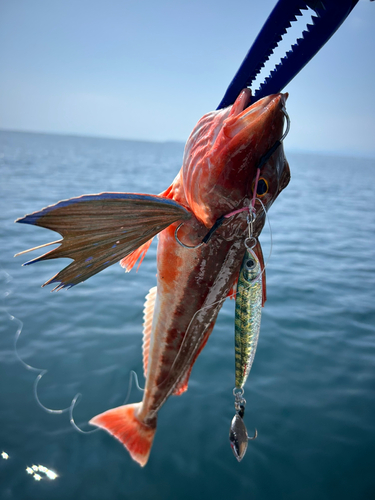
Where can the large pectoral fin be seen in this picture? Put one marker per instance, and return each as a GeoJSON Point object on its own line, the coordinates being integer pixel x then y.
{"type": "Point", "coordinates": [101, 229]}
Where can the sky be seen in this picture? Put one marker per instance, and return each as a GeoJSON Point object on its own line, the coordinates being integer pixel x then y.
{"type": "Point", "coordinates": [149, 70]}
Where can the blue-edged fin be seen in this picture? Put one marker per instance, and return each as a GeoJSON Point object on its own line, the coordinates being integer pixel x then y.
{"type": "Point", "coordinates": [101, 229]}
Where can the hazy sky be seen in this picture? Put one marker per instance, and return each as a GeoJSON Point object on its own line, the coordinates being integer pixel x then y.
{"type": "Point", "coordinates": [150, 69]}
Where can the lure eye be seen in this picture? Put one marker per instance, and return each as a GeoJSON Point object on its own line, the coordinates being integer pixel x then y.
{"type": "Point", "coordinates": [262, 187]}
{"type": "Point", "coordinates": [250, 264]}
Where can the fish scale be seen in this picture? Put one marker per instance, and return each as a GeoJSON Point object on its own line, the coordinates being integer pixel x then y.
{"type": "Point", "coordinates": [247, 316]}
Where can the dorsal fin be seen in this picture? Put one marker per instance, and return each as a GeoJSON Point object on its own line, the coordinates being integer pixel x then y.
{"type": "Point", "coordinates": [148, 313]}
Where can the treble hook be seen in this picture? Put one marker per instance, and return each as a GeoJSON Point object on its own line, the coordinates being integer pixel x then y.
{"type": "Point", "coordinates": [238, 435]}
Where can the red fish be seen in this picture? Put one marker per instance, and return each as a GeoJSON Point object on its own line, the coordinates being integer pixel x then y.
{"type": "Point", "coordinates": [217, 177]}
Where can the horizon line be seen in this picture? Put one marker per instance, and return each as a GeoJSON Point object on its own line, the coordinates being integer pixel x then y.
{"type": "Point", "coordinates": [292, 150]}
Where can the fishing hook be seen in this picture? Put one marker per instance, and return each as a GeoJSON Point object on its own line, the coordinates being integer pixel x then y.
{"type": "Point", "coordinates": [183, 244]}
{"type": "Point", "coordinates": [270, 152]}
{"type": "Point", "coordinates": [239, 406]}
{"type": "Point", "coordinates": [254, 437]}
{"type": "Point", "coordinates": [283, 109]}
{"type": "Point", "coordinates": [238, 435]}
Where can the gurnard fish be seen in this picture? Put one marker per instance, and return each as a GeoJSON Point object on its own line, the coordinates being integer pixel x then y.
{"type": "Point", "coordinates": [216, 178]}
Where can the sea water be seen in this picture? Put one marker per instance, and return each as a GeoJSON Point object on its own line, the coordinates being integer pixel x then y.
{"type": "Point", "coordinates": [310, 393]}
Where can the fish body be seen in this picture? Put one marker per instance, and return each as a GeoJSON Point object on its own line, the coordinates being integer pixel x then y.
{"type": "Point", "coordinates": [218, 171]}
{"type": "Point", "coordinates": [248, 312]}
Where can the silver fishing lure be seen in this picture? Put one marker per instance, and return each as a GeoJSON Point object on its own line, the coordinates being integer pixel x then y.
{"type": "Point", "coordinates": [247, 325]}
{"type": "Point", "coordinates": [238, 436]}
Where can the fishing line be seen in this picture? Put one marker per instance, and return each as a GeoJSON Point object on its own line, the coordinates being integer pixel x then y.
{"type": "Point", "coordinates": [26, 365]}
{"type": "Point", "coordinates": [133, 375]}
{"type": "Point", "coordinates": [74, 402]}
{"type": "Point", "coordinates": [42, 372]}
{"type": "Point", "coordinates": [77, 398]}
{"type": "Point", "coordinates": [132, 372]}
{"type": "Point", "coordinates": [45, 408]}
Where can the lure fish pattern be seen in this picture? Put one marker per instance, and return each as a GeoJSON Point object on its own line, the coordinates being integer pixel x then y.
{"type": "Point", "coordinates": [248, 313]}
{"type": "Point", "coordinates": [217, 175]}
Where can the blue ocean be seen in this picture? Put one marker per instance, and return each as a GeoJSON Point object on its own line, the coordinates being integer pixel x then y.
{"type": "Point", "coordinates": [310, 393]}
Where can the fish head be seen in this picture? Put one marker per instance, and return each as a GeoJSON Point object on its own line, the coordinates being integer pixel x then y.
{"type": "Point", "coordinates": [223, 152]}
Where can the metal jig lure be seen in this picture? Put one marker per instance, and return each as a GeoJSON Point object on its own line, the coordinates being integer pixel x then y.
{"type": "Point", "coordinates": [247, 325]}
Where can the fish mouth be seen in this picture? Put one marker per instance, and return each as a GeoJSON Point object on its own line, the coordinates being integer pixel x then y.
{"type": "Point", "coordinates": [246, 117]}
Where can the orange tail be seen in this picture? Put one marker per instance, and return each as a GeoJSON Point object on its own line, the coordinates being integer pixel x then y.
{"type": "Point", "coordinates": [123, 424]}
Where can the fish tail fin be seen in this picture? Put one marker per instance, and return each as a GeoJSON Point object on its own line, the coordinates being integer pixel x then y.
{"type": "Point", "coordinates": [123, 424]}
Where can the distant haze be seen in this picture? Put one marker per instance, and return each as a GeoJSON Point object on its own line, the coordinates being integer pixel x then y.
{"type": "Point", "coordinates": [149, 70]}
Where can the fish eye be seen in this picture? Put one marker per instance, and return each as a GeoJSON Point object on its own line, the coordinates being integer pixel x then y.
{"type": "Point", "coordinates": [262, 187]}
